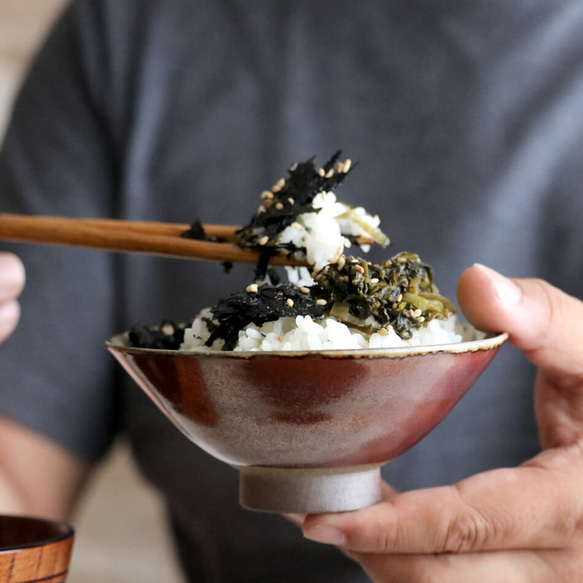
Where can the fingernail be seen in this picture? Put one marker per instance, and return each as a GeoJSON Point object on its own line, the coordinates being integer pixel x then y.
{"type": "Point", "coordinates": [326, 534]}
{"type": "Point", "coordinates": [506, 289]}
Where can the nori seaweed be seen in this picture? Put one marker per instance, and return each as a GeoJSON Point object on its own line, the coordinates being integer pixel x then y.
{"type": "Point", "coordinates": [269, 303]}
{"type": "Point", "coordinates": [197, 232]}
{"type": "Point", "coordinates": [168, 336]}
{"type": "Point", "coordinates": [302, 185]}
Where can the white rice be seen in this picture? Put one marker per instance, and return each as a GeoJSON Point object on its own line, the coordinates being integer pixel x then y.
{"type": "Point", "coordinates": [322, 233]}
{"type": "Point", "coordinates": [303, 333]}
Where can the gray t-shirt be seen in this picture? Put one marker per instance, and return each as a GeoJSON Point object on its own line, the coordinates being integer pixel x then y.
{"type": "Point", "coordinates": [467, 120]}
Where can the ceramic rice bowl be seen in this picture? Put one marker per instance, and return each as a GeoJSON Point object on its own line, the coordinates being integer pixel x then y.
{"type": "Point", "coordinates": [308, 432]}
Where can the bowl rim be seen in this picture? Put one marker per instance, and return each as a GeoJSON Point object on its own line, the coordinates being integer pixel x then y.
{"type": "Point", "coordinates": [68, 532]}
{"type": "Point", "coordinates": [118, 343]}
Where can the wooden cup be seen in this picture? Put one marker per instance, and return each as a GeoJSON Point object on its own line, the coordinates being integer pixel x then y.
{"type": "Point", "coordinates": [33, 549]}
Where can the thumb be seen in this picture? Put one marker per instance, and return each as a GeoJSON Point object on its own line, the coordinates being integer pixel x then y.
{"type": "Point", "coordinates": [542, 321]}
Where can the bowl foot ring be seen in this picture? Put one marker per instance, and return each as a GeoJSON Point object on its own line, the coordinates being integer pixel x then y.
{"type": "Point", "coordinates": [308, 490]}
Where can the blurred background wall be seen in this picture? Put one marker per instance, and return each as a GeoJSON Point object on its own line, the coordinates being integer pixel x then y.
{"type": "Point", "coordinates": [121, 537]}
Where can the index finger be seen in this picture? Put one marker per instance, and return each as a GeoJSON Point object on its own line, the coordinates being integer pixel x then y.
{"type": "Point", "coordinates": [524, 508]}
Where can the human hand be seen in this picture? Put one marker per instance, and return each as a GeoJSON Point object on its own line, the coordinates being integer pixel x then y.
{"type": "Point", "coordinates": [519, 525]}
{"type": "Point", "coordinates": [12, 279]}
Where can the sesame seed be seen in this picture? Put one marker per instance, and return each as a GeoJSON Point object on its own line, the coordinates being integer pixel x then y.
{"type": "Point", "coordinates": [261, 209]}
{"type": "Point", "coordinates": [347, 165]}
{"type": "Point", "coordinates": [263, 240]}
{"type": "Point", "coordinates": [275, 188]}
{"type": "Point", "coordinates": [401, 259]}
{"type": "Point", "coordinates": [305, 290]}
{"type": "Point", "coordinates": [339, 167]}
{"type": "Point", "coordinates": [279, 206]}
{"type": "Point", "coordinates": [252, 289]}
{"type": "Point", "coordinates": [323, 194]}
{"type": "Point", "coordinates": [383, 332]}
{"type": "Point", "coordinates": [321, 302]}
{"type": "Point", "coordinates": [417, 313]}
{"type": "Point", "coordinates": [297, 227]}
{"type": "Point", "coordinates": [321, 172]}
{"type": "Point", "coordinates": [359, 268]}
{"type": "Point", "coordinates": [267, 195]}
{"type": "Point", "coordinates": [336, 257]}
{"type": "Point", "coordinates": [374, 280]}
{"type": "Point", "coordinates": [341, 262]}
{"type": "Point", "coordinates": [421, 319]}
{"type": "Point", "coordinates": [399, 298]}
{"type": "Point", "coordinates": [291, 200]}
{"type": "Point", "coordinates": [330, 173]}
{"type": "Point", "coordinates": [347, 243]}
{"type": "Point", "coordinates": [293, 166]}
{"type": "Point", "coordinates": [290, 302]}
{"type": "Point", "coordinates": [281, 182]}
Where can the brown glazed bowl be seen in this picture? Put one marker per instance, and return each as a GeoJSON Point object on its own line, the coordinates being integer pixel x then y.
{"type": "Point", "coordinates": [308, 431]}
{"type": "Point", "coordinates": [34, 549]}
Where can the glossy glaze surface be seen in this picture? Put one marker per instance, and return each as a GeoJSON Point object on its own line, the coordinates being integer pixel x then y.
{"type": "Point", "coordinates": [327, 409]}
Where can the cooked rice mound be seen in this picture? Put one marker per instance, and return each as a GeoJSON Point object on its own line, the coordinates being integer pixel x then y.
{"type": "Point", "coordinates": [303, 333]}
{"type": "Point", "coordinates": [339, 303]}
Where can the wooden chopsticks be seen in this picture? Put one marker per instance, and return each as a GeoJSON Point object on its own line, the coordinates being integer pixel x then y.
{"type": "Point", "coordinates": [226, 232]}
{"type": "Point", "coordinates": [131, 236]}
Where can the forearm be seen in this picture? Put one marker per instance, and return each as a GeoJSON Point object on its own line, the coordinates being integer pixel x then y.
{"type": "Point", "coordinates": [37, 477]}
{"type": "Point", "coordinates": [13, 499]}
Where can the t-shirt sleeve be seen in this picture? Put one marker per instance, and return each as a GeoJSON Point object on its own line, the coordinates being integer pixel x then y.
{"type": "Point", "coordinates": [57, 377]}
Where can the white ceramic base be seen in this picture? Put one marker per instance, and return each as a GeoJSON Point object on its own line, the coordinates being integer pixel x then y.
{"type": "Point", "coordinates": [308, 490]}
